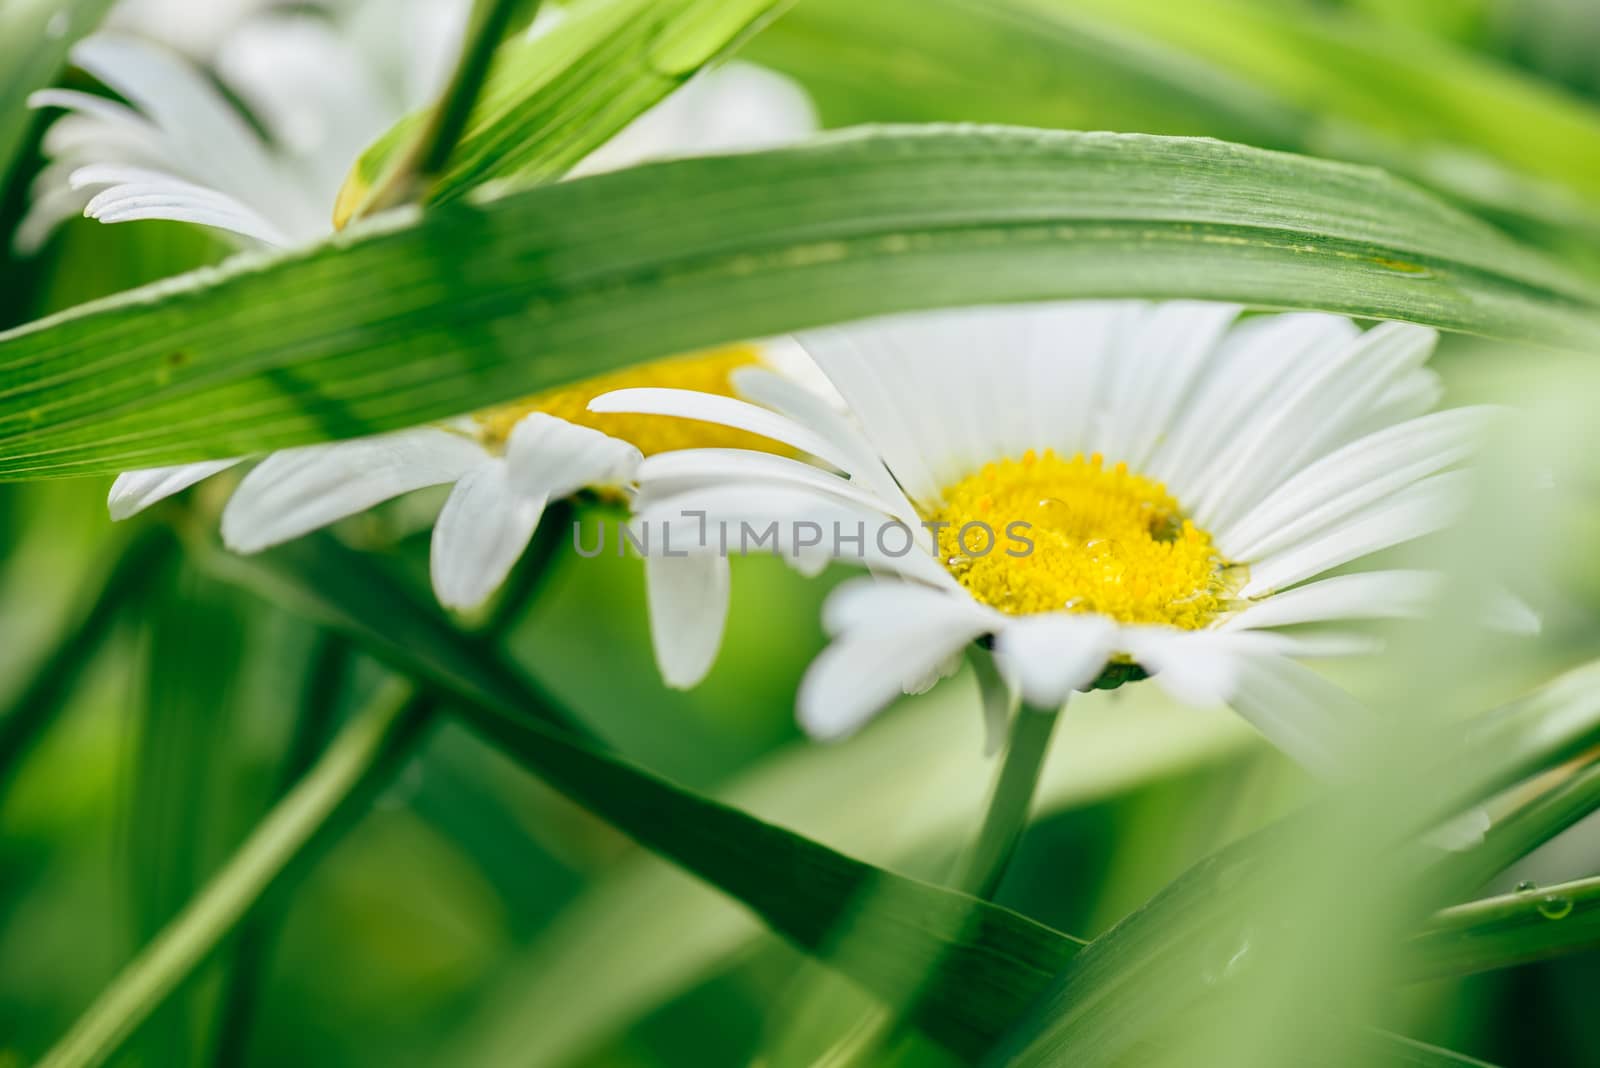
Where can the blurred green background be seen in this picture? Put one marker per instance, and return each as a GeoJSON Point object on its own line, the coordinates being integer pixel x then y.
{"type": "Point", "coordinates": [473, 918]}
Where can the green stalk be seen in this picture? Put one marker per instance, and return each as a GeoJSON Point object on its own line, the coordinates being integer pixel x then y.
{"type": "Point", "coordinates": [984, 864]}
{"type": "Point", "coordinates": [358, 763]}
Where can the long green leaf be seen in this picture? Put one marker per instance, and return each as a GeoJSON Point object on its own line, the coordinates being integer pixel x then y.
{"type": "Point", "coordinates": [552, 99]}
{"type": "Point", "coordinates": [34, 38]}
{"type": "Point", "coordinates": [416, 318]}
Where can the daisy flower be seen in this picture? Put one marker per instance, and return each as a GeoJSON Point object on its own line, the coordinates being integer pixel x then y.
{"type": "Point", "coordinates": [321, 89]}
{"type": "Point", "coordinates": [1099, 492]}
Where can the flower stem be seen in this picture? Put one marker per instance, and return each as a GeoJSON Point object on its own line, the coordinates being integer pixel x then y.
{"type": "Point", "coordinates": [983, 865]}
{"type": "Point", "coordinates": [978, 872]}
{"type": "Point", "coordinates": [358, 762]}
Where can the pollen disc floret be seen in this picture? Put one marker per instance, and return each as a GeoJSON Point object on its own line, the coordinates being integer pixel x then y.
{"type": "Point", "coordinates": [1045, 534]}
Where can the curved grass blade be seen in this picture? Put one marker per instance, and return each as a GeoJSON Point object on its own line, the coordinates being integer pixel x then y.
{"type": "Point", "coordinates": [552, 99]}
{"type": "Point", "coordinates": [416, 317]}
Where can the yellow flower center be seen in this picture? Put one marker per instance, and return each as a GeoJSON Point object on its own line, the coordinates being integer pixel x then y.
{"type": "Point", "coordinates": [1077, 536]}
{"type": "Point", "coordinates": [706, 372]}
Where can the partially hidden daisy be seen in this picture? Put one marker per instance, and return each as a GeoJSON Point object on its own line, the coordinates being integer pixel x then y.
{"type": "Point", "coordinates": [1099, 491]}
{"type": "Point", "coordinates": [321, 89]}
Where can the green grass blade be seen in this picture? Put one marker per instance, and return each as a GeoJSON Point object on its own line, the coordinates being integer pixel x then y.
{"type": "Point", "coordinates": [418, 317]}
{"type": "Point", "coordinates": [551, 100]}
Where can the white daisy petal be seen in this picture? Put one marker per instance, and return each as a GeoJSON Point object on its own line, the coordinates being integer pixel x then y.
{"type": "Point", "coordinates": [1316, 414]}
{"type": "Point", "coordinates": [1374, 595]}
{"type": "Point", "coordinates": [209, 139]}
{"type": "Point", "coordinates": [1309, 718]}
{"type": "Point", "coordinates": [790, 398]}
{"type": "Point", "coordinates": [867, 604]}
{"type": "Point", "coordinates": [1353, 477]}
{"type": "Point", "coordinates": [299, 490]}
{"type": "Point", "coordinates": [1420, 508]}
{"type": "Point", "coordinates": [1416, 394]}
{"type": "Point", "coordinates": [670, 474]}
{"type": "Point", "coordinates": [1252, 367]}
{"type": "Point", "coordinates": [1068, 353]}
{"type": "Point", "coordinates": [688, 600]}
{"type": "Point", "coordinates": [1306, 716]}
{"type": "Point", "coordinates": [1368, 595]}
{"type": "Point", "coordinates": [134, 193]}
{"type": "Point", "coordinates": [1146, 393]}
{"type": "Point", "coordinates": [788, 358]}
{"type": "Point", "coordinates": [1047, 657]}
{"type": "Point", "coordinates": [552, 458]}
{"type": "Point", "coordinates": [481, 533]}
{"type": "Point", "coordinates": [901, 375]}
{"type": "Point", "coordinates": [134, 491]}
{"type": "Point", "coordinates": [726, 411]}
{"type": "Point", "coordinates": [897, 635]}
{"type": "Point", "coordinates": [795, 524]}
